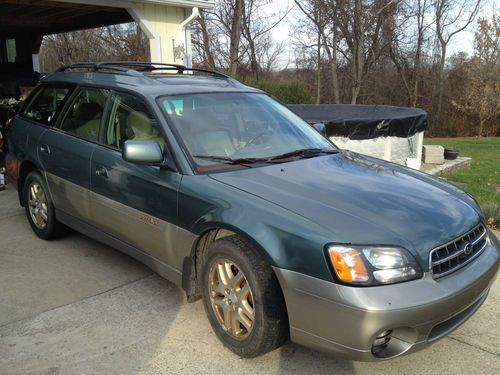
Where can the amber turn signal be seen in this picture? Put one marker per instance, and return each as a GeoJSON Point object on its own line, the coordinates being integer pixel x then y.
{"type": "Point", "coordinates": [348, 264]}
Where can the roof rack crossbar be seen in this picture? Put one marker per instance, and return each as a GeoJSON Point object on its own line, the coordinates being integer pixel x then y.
{"type": "Point", "coordinates": [137, 67]}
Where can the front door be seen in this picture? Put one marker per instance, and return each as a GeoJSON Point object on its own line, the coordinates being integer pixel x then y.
{"type": "Point", "coordinates": [135, 203]}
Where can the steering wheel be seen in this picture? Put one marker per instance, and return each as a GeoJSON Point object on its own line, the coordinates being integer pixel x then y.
{"type": "Point", "coordinates": [251, 141]}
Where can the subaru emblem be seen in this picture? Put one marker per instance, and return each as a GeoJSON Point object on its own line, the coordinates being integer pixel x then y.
{"type": "Point", "coordinates": [467, 248]}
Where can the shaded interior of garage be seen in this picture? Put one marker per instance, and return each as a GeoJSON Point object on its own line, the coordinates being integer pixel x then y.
{"type": "Point", "coordinates": [23, 23]}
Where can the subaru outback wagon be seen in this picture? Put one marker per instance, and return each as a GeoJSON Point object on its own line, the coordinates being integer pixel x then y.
{"type": "Point", "coordinates": [222, 190]}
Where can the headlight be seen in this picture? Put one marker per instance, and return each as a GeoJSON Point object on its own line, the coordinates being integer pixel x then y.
{"type": "Point", "coordinates": [372, 265]}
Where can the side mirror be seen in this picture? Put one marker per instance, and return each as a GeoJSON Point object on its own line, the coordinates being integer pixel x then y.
{"type": "Point", "coordinates": [142, 152]}
{"type": "Point", "coordinates": [320, 128]}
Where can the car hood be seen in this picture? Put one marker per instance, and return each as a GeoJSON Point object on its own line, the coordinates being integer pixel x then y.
{"type": "Point", "coordinates": [363, 200]}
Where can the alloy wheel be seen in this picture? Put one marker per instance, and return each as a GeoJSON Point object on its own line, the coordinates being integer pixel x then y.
{"type": "Point", "coordinates": [37, 204]}
{"type": "Point", "coordinates": [231, 298]}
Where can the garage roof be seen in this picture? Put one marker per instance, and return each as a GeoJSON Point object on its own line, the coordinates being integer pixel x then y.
{"type": "Point", "coordinates": [55, 16]}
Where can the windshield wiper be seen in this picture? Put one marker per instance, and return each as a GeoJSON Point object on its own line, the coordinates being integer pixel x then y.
{"type": "Point", "coordinates": [246, 162]}
{"type": "Point", "coordinates": [304, 153]}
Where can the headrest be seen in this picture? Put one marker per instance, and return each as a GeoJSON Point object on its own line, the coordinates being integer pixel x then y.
{"type": "Point", "coordinates": [140, 124]}
{"type": "Point", "coordinates": [87, 111]}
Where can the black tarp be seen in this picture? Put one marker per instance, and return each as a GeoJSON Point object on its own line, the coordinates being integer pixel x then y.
{"type": "Point", "coordinates": [357, 121]}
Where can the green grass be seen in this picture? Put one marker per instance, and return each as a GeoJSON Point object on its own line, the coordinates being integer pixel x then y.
{"type": "Point", "coordinates": [483, 178]}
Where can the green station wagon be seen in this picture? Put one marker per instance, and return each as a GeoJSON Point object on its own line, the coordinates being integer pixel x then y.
{"type": "Point", "coordinates": [225, 192]}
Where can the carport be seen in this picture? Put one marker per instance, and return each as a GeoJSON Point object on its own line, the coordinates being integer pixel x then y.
{"type": "Point", "coordinates": [23, 23]}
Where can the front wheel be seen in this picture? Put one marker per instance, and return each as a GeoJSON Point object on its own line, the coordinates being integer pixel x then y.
{"type": "Point", "coordinates": [39, 208]}
{"type": "Point", "coordinates": [243, 299]}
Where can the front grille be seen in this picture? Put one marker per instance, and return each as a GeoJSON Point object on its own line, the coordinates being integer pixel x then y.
{"type": "Point", "coordinates": [455, 254]}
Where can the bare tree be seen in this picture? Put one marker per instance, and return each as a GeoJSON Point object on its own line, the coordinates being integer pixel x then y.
{"type": "Point", "coordinates": [407, 45]}
{"type": "Point", "coordinates": [452, 17]}
{"type": "Point", "coordinates": [230, 17]}
{"type": "Point", "coordinates": [256, 27]}
{"type": "Point", "coordinates": [119, 42]}
{"type": "Point", "coordinates": [331, 45]}
{"type": "Point", "coordinates": [482, 86]}
{"type": "Point", "coordinates": [269, 54]}
{"type": "Point", "coordinates": [216, 35]}
{"type": "Point", "coordinates": [362, 24]}
{"type": "Point", "coordinates": [230, 35]}
{"type": "Point", "coordinates": [205, 45]}
{"type": "Point", "coordinates": [316, 13]}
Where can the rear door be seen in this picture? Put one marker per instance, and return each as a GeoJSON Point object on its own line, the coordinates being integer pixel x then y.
{"type": "Point", "coordinates": [135, 203]}
{"type": "Point", "coordinates": [66, 150]}
{"type": "Point", "coordinates": [36, 118]}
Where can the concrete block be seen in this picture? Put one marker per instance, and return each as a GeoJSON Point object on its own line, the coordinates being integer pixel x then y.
{"type": "Point", "coordinates": [433, 154]}
{"type": "Point", "coordinates": [433, 159]}
{"type": "Point", "coordinates": [433, 150]}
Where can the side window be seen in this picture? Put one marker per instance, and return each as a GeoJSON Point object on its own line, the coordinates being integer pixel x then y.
{"type": "Point", "coordinates": [45, 104]}
{"type": "Point", "coordinates": [130, 119]}
{"type": "Point", "coordinates": [84, 115]}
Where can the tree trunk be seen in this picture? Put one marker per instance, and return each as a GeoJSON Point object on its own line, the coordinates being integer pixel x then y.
{"type": "Point", "coordinates": [357, 53]}
{"type": "Point", "coordinates": [416, 67]}
{"type": "Point", "coordinates": [441, 80]}
{"type": "Point", "coordinates": [247, 33]}
{"type": "Point", "coordinates": [357, 73]}
{"type": "Point", "coordinates": [334, 67]}
{"type": "Point", "coordinates": [481, 126]}
{"type": "Point", "coordinates": [206, 42]}
{"type": "Point", "coordinates": [235, 37]}
{"type": "Point", "coordinates": [318, 77]}
{"type": "Point", "coordinates": [254, 64]}
{"type": "Point", "coordinates": [402, 72]}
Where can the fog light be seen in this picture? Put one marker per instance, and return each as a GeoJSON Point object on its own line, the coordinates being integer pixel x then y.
{"type": "Point", "coordinates": [381, 341]}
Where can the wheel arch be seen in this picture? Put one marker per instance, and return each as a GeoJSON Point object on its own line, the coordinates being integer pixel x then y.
{"type": "Point", "coordinates": [192, 264]}
{"type": "Point", "coordinates": [27, 166]}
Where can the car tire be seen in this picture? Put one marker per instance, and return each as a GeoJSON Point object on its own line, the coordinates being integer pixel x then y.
{"type": "Point", "coordinates": [40, 209]}
{"type": "Point", "coordinates": [259, 322]}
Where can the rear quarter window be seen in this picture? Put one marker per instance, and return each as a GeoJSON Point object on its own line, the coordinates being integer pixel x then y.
{"type": "Point", "coordinates": [45, 103]}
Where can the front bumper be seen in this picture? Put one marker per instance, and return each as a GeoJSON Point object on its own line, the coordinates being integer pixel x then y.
{"type": "Point", "coordinates": [346, 320]}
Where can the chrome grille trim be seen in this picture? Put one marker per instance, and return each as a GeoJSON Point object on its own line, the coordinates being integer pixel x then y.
{"type": "Point", "coordinates": [451, 256]}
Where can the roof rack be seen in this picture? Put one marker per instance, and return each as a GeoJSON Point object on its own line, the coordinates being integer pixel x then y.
{"type": "Point", "coordinates": [136, 68]}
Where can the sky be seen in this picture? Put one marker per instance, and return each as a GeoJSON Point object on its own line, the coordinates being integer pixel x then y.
{"type": "Point", "coordinates": [462, 42]}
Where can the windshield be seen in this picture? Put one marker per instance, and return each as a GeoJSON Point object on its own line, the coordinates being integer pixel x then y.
{"type": "Point", "coordinates": [235, 129]}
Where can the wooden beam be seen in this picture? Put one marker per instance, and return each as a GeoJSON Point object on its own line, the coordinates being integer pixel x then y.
{"type": "Point", "coordinates": [57, 4]}
{"type": "Point", "coordinates": [59, 14]}
{"type": "Point", "coordinates": [52, 12]}
{"type": "Point", "coordinates": [42, 3]}
{"type": "Point", "coordinates": [203, 4]}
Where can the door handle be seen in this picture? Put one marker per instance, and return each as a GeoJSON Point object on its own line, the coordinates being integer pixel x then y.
{"type": "Point", "coordinates": [45, 149]}
{"type": "Point", "coordinates": [101, 171]}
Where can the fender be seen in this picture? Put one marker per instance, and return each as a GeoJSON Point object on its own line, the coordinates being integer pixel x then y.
{"type": "Point", "coordinates": [275, 231]}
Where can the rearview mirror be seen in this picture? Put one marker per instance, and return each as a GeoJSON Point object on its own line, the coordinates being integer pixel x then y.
{"type": "Point", "coordinates": [320, 128]}
{"type": "Point", "coordinates": [142, 152]}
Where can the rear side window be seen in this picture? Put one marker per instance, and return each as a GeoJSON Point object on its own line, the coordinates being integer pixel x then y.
{"type": "Point", "coordinates": [84, 115]}
{"type": "Point", "coordinates": [45, 104]}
